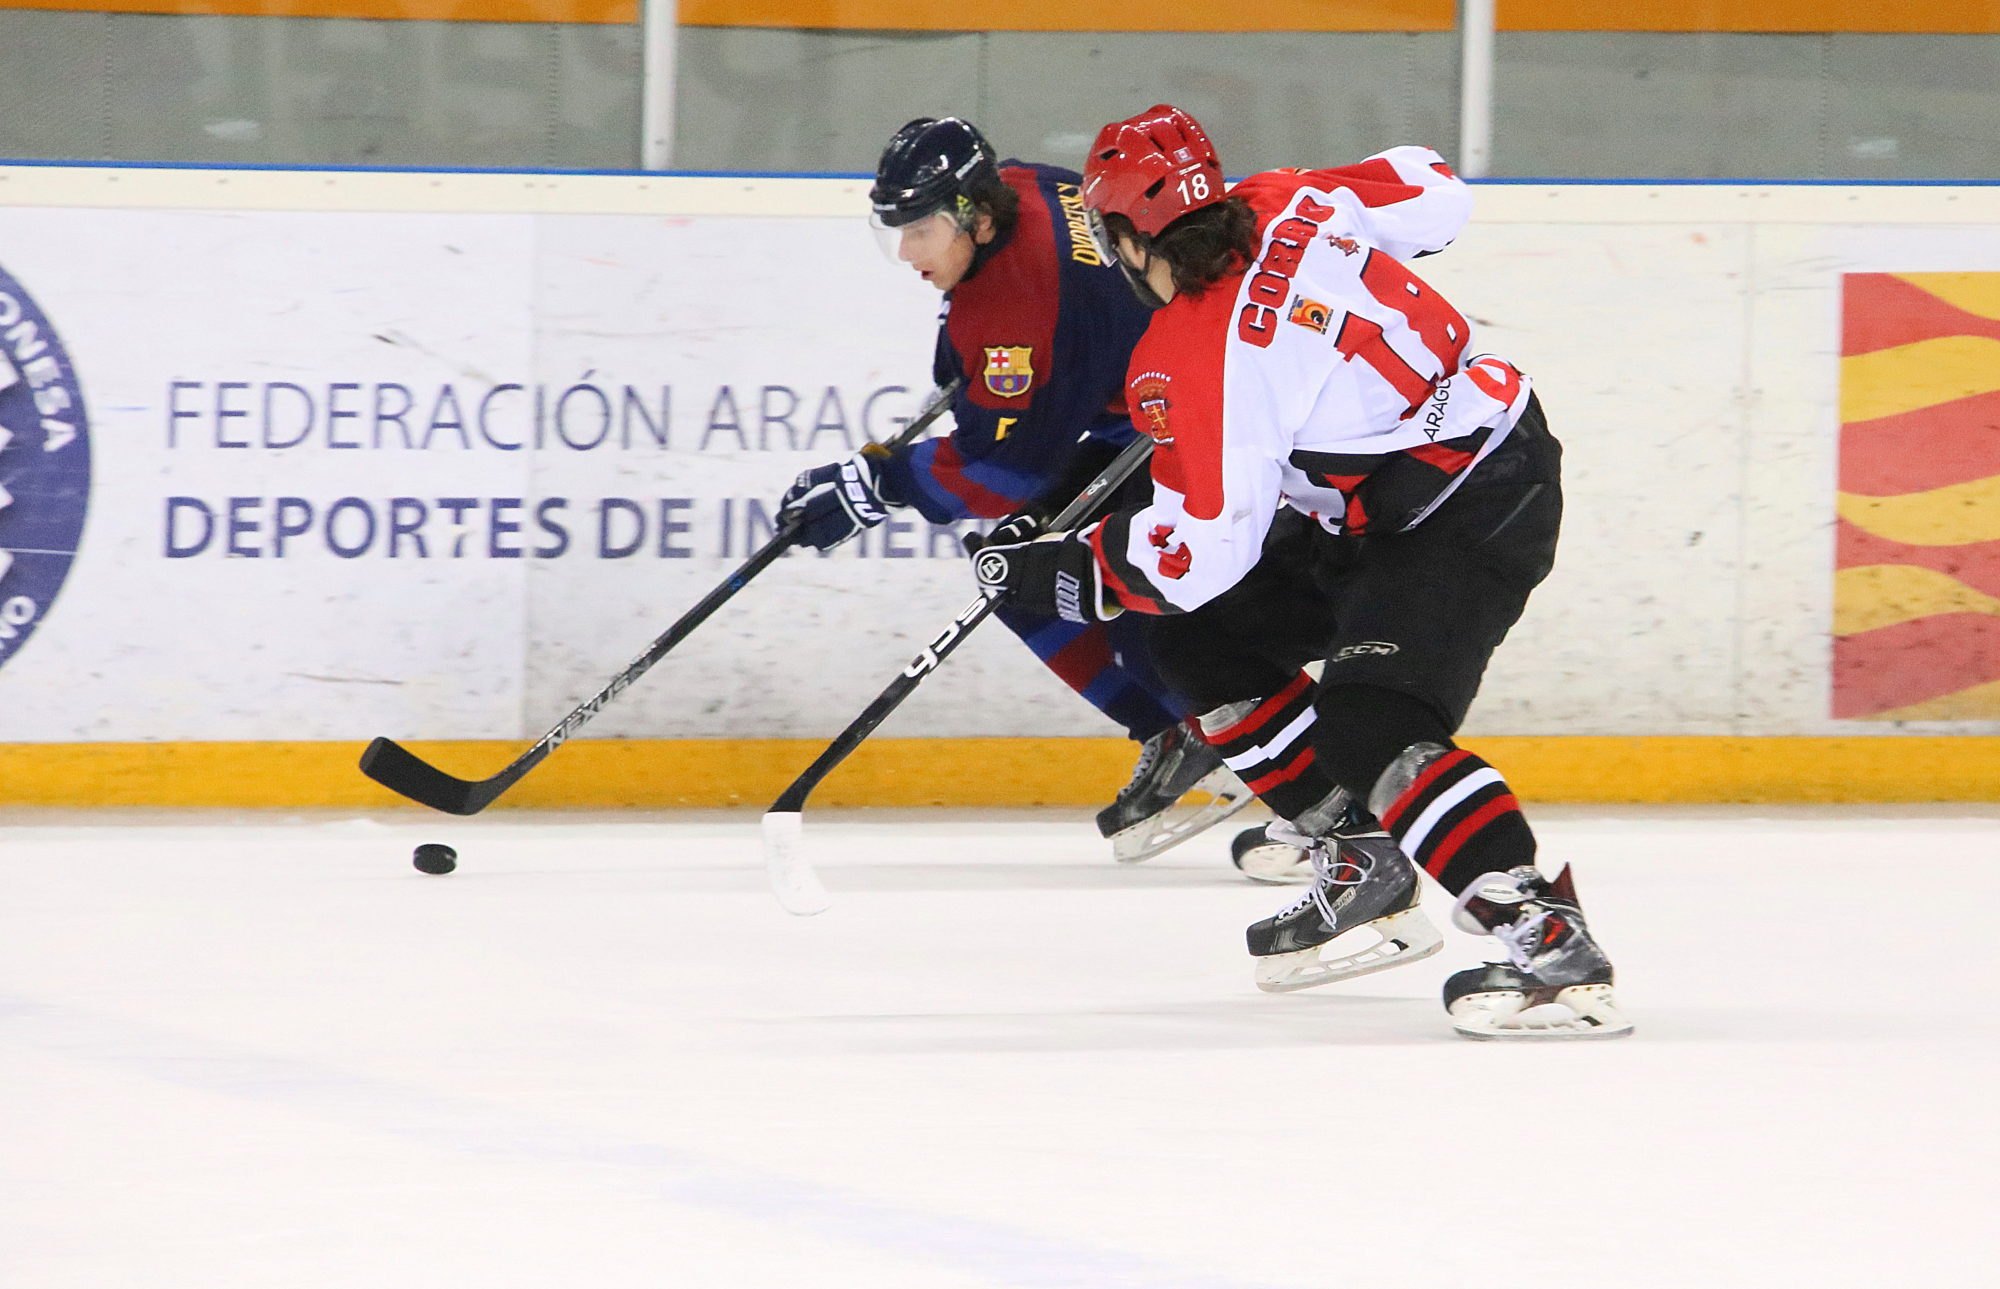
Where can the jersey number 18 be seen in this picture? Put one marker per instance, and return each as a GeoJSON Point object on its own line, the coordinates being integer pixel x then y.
{"type": "Point", "coordinates": [1429, 315]}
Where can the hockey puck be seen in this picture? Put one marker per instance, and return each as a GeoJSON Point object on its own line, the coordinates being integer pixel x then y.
{"type": "Point", "coordinates": [435, 859]}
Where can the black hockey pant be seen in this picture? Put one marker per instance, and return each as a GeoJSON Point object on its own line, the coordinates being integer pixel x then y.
{"type": "Point", "coordinates": [1405, 624]}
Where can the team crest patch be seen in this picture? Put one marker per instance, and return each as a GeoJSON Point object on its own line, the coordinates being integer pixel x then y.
{"type": "Point", "coordinates": [1149, 399]}
{"type": "Point", "coordinates": [1345, 245]}
{"type": "Point", "coordinates": [1310, 313]}
{"type": "Point", "coordinates": [1009, 370]}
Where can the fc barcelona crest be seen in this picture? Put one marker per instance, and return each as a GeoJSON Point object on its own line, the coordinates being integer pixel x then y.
{"type": "Point", "coordinates": [1009, 370]}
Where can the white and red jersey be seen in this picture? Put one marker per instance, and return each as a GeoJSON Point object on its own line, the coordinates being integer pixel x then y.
{"type": "Point", "coordinates": [1326, 376]}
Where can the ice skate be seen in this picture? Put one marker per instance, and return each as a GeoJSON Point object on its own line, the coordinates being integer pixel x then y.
{"type": "Point", "coordinates": [1556, 982]}
{"type": "Point", "coordinates": [1276, 863]}
{"type": "Point", "coordinates": [1361, 880]}
{"type": "Point", "coordinates": [1179, 788]}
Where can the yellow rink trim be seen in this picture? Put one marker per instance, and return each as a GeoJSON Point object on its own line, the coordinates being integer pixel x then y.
{"type": "Point", "coordinates": [1692, 16]}
{"type": "Point", "coordinates": [603, 773]}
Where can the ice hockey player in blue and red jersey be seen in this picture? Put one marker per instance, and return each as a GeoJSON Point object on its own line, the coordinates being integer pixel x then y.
{"type": "Point", "coordinates": [1342, 477]}
{"type": "Point", "coordinates": [1039, 327]}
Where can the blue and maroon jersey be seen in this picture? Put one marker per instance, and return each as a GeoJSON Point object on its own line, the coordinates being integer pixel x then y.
{"type": "Point", "coordinates": [1042, 331]}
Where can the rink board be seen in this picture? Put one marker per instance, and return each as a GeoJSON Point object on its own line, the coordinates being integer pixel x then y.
{"type": "Point", "coordinates": [1084, 773]}
{"type": "Point", "coordinates": [434, 455]}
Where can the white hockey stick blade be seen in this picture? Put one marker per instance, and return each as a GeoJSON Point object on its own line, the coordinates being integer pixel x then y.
{"type": "Point", "coordinates": [792, 878]}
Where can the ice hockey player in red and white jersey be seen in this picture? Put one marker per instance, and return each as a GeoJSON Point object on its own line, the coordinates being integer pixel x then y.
{"type": "Point", "coordinates": [1341, 476]}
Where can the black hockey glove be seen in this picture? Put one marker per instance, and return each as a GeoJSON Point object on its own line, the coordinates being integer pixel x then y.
{"type": "Point", "coordinates": [833, 502]}
{"type": "Point", "coordinates": [1011, 531]}
{"type": "Point", "coordinates": [1055, 576]}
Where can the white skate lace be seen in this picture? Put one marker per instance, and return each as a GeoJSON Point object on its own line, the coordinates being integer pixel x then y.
{"type": "Point", "coordinates": [1326, 862]}
{"type": "Point", "coordinates": [1515, 937]}
{"type": "Point", "coordinates": [1149, 752]}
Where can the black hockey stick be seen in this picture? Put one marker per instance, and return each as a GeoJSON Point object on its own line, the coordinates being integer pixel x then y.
{"type": "Point", "coordinates": [400, 770]}
{"type": "Point", "coordinates": [797, 887]}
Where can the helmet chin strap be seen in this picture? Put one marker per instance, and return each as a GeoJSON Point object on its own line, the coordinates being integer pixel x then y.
{"type": "Point", "coordinates": [1138, 279]}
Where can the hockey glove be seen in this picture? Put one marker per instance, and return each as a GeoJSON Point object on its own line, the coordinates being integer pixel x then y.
{"type": "Point", "coordinates": [1054, 576]}
{"type": "Point", "coordinates": [1011, 531]}
{"type": "Point", "coordinates": [830, 503]}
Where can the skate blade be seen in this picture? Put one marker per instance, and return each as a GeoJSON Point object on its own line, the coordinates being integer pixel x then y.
{"type": "Point", "coordinates": [1581, 1012]}
{"type": "Point", "coordinates": [1176, 824]}
{"type": "Point", "coordinates": [1408, 936]}
{"type": "Point", "coordinates": [1276, 864]}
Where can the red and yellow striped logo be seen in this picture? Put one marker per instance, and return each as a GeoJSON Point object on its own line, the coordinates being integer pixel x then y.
{"type": "Point", "coordinates": [1916, 605]}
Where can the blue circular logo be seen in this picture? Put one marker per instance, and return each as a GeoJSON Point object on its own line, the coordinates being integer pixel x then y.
{"type": "Point", "coordinates": [44, 465]}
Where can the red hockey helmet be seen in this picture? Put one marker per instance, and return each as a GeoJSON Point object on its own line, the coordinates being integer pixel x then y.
{"type": "Point", "coordinates": [1152, 168]}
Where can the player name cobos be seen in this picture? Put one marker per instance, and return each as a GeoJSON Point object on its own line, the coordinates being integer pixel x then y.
{"type": "Point", "coordinates": [1271, 282]}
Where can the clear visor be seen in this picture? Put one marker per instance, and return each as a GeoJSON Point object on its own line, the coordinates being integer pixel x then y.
{"type": "Point", "coordinates": [922, 238]}
{"type": "Point", "coordinates": [1100, 234]}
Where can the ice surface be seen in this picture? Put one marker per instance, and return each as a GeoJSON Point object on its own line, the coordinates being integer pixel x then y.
{"type": "Point", "coordinates": [260, 1050]}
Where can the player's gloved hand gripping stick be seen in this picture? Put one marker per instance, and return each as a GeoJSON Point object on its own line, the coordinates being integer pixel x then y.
{"type": "Point", "coordinates": [400, 770]}
{"type": "Point", "coordinates": [797, 887]}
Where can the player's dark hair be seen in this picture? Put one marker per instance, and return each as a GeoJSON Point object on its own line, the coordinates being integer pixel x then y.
{"type": "Point", "coordinates": [1204, 246]}
{"type": "Point", "coordinates": [1201, 247]}
{"type": "Point", "coordinates": [991, 194]}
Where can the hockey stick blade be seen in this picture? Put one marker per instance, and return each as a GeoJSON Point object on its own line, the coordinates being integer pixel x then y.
{"type": "Point", "coordinates": [404, 772]}
{"type": "Point", "coordinates": [791, 873]}
{"type": "Point", "coordinates": [792, 879]}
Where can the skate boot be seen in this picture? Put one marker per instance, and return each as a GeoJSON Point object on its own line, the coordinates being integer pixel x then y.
{"type": "Point", "coordinates": [1360, 879]}
{"type": "Point", "coordinates": [1149, 815]}
{"type": "Point", "coordinates": [1277, 863]}
{"type": "Point", "coordinates": [1556, 982]}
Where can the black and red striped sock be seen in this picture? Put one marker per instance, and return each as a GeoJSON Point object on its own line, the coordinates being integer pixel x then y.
{"type": "Point", "coordinates": [1270, 747]}
{"type": "Point", "coordinates": [1458, 820]}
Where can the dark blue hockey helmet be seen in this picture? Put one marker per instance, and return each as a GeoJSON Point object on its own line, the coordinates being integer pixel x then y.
{"type": "Point", "coordinates": [933, 165]}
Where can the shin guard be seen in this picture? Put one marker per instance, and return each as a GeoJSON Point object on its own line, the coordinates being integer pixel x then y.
{"type": "Point", "coordinates": [1453, 815]}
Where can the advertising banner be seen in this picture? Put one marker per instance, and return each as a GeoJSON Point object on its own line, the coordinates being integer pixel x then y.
{"type": "Point", "coordinates": [437, 474]}
{"type": "Point", "coordinates": [299, 457]}
{"type": "Point", "coordinates": [1917, 598]}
